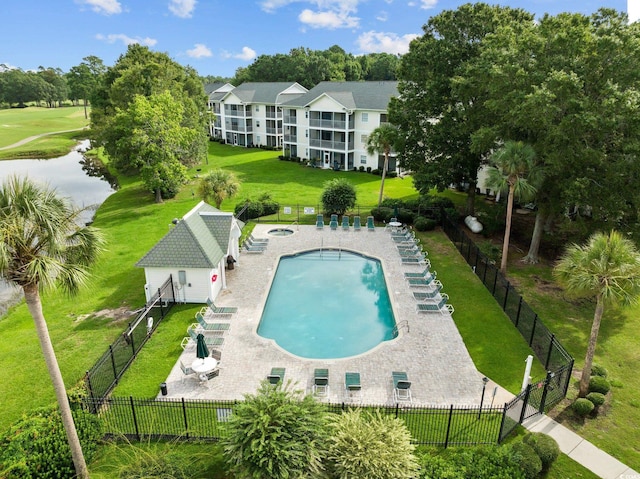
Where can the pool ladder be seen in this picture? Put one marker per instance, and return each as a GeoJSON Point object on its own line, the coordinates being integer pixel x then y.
{"type": "Point", "coordinates": [398, 326]}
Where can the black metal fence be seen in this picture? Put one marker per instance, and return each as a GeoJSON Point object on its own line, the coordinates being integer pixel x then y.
{"type": "Point", "coordinates": [107, 371]}
{"type": "Point", "coordinates": [540, 395]}
{"type": "Point", "coordinates": [137, 419]}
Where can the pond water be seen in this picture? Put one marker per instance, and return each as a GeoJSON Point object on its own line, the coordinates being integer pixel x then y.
{"type": "Point", "coordinates": [85, 182]}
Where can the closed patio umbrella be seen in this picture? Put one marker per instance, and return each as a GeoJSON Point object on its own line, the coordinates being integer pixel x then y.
{"type": "Point", "coordinates": [202, 351]}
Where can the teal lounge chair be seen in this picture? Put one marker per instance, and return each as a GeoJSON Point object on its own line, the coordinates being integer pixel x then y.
{"type": "Point", "coordinates": [416, 259]}
{"type": "Point", "coordinates": [442, 307]}
{"type": "Point", "coordinates": [203, 325]}
{"type": "Point", "coordinates": [356, 223]}
{"type": "Point", "coordinates": [253, 239]}
{"type": "Point", "coordinates": [370, 225]}
{"type": "Point", "coordinates": [345, 223]}
{"type": "Point", "coordinates": [319, 222]}
{"type": "Point", "coordinates": [276, 376]}
{"type": "Point", "coordinates": [401, 386]}
{"type": "Point", "coordinates": [189, 342]}
{"type": "Point", "coordinates": [423, 282]}
{"type": "Point", "coordinates": [421, 274]}
{"type": "Point", "coordinates": [352, 385]}
{"type": "Point", "coordinates": [321, 382]}
{"type": "Point", "coordinates": [432, 295]}
{"type": "Point", "coordinates": [220, 310]}
{"type": "Point", "coordinates": [333, 224]}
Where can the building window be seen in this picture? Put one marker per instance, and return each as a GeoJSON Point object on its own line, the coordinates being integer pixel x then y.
{"type": "Point", "coordinates": [258, 123]}
{"type": "Point", "coordinates": [363, 159]}
{"type": "Point", "coordinates": [258, 139]}
{"type": "Point", "coordinates": [306, 113]}
{"type": "Point", "coordinates": [306, 133]}
{"type": "Point", "coordinates": [364, 139]}
{"type": "Point", "coordinates": [365, 117]}
{"type": "Point", "coordinates": [257, 108]}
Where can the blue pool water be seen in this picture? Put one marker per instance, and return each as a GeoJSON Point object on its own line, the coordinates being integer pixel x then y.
{"type": "Point", "coordinates": [328, 304]}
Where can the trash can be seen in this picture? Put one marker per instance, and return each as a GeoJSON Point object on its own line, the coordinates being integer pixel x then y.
{"type": "Point", "coordinates": [163, 388]}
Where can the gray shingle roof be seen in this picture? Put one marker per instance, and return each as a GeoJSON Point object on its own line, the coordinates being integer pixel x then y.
{"type": "Point", "coordinates": [196, 241]}
{"type": "Point", "coordinates": [372, 95]}
{"type": "Point", "coordinates": [261, 92]}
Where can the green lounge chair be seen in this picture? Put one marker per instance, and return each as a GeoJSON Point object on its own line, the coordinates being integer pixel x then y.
{"type": "Point", "coordinates": [189, 342]}
{"type": "Point", "coordinates": [276, 376]}
{"type": "Point", "coordinates": [345, 223]}
{"type": "Point", "coordinates": [415, 259]}
{"type": "Point", "coordinates": [429, 295]}
{"type": "Point", "coordinates": [401, 386]}
{"type": "Point", "coordinates": [356, 223]}
{"type": "Point", "coordinates": [370, 225]}
{"type": "Point", "coordinates": [424, 281]}
{"type": "Point", "coordinates": [333, 224]}
{"type": "Point", "coordinates": [227, 310]}
{"type": "Point", "coordinates": [352, 385]}
{"type": "Point", "coordinates": [214, 327]}
{"type": "Point", "coordinates": [321, 382]}
{"type": "Point", "coordinates": [442, 307]}
{"type": "Point", "coordinates": [258, 240]}
{"type": "Point", "coordinates": [422, 274]}
{"type": "Point", "coordinates": [319, 222]}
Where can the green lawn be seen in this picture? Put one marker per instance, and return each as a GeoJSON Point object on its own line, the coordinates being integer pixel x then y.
{"type": "Point", "coordinates": [132, 223]}
{"type": "Point", "coordinates": [19, 124]}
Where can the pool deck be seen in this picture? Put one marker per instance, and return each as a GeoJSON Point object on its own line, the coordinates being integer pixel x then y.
{"type": "Point", "coordinates": [430, 350]}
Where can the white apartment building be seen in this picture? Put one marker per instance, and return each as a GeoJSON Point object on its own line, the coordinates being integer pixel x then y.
{"type": "Point", "coordinates": [328, 126]}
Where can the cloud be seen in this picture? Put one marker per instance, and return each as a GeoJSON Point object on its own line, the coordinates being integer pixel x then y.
{"type": "Point", "coordinates": [427, 4]}
{"type": "Point", "coordinates": [381, 42]}
{"type": "Point", "coordinates": [106, 7]}
{"type": "Point", "coordinates": [382, 16]}
{"type": "Point", "coordinates": [247, 54]}
{"type": "Point", "coordinates": [328, 19]}
{"type": "Point", "coordinates": [199, 50]}
{"type": "Point", "coordinates": [182, 8]}
{"type": "Point", "coordinates": [270, 6]}
{"type": "Point", "coordinates": [126, 40]}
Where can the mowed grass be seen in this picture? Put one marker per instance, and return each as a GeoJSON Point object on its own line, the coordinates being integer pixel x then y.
{"type": "Point", "coordinates": [17, 124]}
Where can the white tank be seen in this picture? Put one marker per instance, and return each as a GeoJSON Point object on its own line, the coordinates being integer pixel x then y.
{"type": "Point", "coordinates": [473, 224]}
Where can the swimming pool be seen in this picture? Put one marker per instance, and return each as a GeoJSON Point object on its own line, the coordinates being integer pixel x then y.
{"type": "Point", "coordinates": [328, 304]}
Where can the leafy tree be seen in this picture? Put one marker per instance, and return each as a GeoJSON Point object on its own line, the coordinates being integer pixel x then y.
{"type": "Point", "coordinates": [276, 434]}
{"type": "Point", "coordinates": [565, 85]}
{"type": "Point", "coordinates": [606, 268]}
{"type": "Point", "coordinates": [436, 112]}
{"type": "Point", "coordinates": [55, 88]}
{"type": "Point", "coordinates": [41, 245]}
{"type": "Point", "coordinates": [338, 196]}
{"type": "Point", "coordinates": [217, 186]}
{"type": "Point", "coordinates": [149, 132]}
{"type": "Point", "coordinates": [21, 87]}
{"type": "Point", "coordinates": [513, 166]}
{"type": "Point", "coordinates": [382, 140]}
{"type": "Point", "coordinates": [370, 445]}
{"type": "Point", "coordinates": [84, 78]}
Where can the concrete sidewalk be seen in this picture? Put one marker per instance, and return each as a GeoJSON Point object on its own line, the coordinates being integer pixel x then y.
{"type": "Point", "coordinates": [574, 446]}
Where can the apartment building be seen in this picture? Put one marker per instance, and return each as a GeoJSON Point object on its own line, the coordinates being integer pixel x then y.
{"type": "Point", "coordinates": [327, 126]}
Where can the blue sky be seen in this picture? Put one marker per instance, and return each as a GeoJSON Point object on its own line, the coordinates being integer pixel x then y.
{"type": "Point", "coordinates": [218, 36]}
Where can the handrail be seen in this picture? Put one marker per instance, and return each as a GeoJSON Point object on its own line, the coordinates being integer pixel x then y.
{"type": "Point", "coordinates": [396, 328]}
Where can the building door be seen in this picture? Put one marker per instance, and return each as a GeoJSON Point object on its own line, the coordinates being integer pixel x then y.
{"type": "Point", "coordinates": [327, 159]}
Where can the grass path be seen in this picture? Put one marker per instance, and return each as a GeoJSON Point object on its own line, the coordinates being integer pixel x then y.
{"type": "Point", "coordinates": [35, 137]}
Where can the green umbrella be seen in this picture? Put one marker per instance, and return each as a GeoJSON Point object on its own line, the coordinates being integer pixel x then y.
{"type": "Point", "coordinates": [202, 351]}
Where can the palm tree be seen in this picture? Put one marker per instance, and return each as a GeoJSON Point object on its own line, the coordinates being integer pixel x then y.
{"type": "Point", "coordinates": [217, 186]}
{"type": "Point", "coordinates": [607, 267]}
{"type": "Point", "coordinates": [512, 166]}
{"type": "Point", "coordinates": [41, 245]}
{"type": "Point", "coordinates": [382, 140]}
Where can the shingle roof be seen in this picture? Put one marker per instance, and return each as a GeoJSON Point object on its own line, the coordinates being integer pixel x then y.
{"type": "Point", "coordinates": [199, 240]}
{"type": "Point", "coordinates": [261, 92]}
{"type": "Point", "coordinates": [372, 95]}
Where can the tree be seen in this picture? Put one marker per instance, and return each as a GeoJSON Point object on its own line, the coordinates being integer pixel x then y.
{"type": "Point", "coordinates": [513, 166]}
{"type": "Point", "coordinates": [606, 268]}
{"type": "Point", "coordinates": [84, 78]}
{"type": "Point", "coordinates": [217, 186]}
{"type": "Point", "coordinates": [370, 445]}
{"type": "Point", "coordinates": [55, 85]}
{"type": "Point", "coordinates": [382, 140]}
{"type": "Point", "coordinates": [41, 245]}
{"type": "Point", "coordinates": [435, 111]}
{"type": "Point", "coordinates": [338, 196]}
{"type": "Point", "coordinates": [276, 434]}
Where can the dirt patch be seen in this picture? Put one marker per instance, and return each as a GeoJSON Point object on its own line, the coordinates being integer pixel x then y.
{"type": "Point", "coordinates": [113, 315]}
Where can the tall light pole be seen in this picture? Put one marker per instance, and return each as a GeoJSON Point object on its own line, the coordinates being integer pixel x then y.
{"type": "Point", "coordinates": [485, 380]}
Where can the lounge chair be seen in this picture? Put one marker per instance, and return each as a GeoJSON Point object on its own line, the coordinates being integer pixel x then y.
{"type": "Point", "coordinates": [422, 274]}
{"type": "Point", "coordinates": [276, 376]}
{"type": "Point", "coordinates": [321, 382]}
{"type": "Point", "coordinates": [333, 224]}
{"type": "Point", "coordinates": [254, 248]}
{"type": "Point", "coordinates": [258, 240]}
{"type": "Point", "coordinates": [319, 222]}
{"type": "Point", "coordinates": [255, 243]}
{"type": "Point", "coordinates": [432, 295]}
{"type": "Point", "coordinates": [220, 309]}
{"type": "Point", "coordinates": [417, 259]}
{"type": "Point", "coordinates": [352, 385]}
{"type": "Point", "coordinates": [345, 223]}
{"type": "Point", "coordinates": [426, 281]}
{"type": "Point", "coordinates": [203, 325]}
{"type": "Point", "coordinates": [412, 251]}
{"type": "Point", "coordinates": [442, 307]}
{"type": "Point", "coordinates": [356, 223]}
{"type": "Point", "coordinates": [401, 386]}
{"type": "Point", "coordinates": [370, 225]}
{"type": "Point", "coordinates": [189, 342]}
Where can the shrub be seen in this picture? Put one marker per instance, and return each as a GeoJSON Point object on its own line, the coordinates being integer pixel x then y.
{"type": "Point", "coordinates": [391, 174]}
{"type": "Point", "coordinates": [338, 196]}
{"type": "Point", "coordinates": [597, 399]}
{"type": "Point", "coordinates": [582, 407]}
{"type": "Point", "coordinates": [432, 467]}
{"type": "Point", "coordinates": [489, 461]}
{"type": "Point", "coordinates": [424, 224]}
{"type": "Point", "coordinates": [370, 445]}
{"type": "Point", "coordinates": [376, 172]}
{"type": "Point", "coordinates": [155, 465]}
{"type": "Point", "coordinates": [405, 216]}
{"type": "Point", "coordinates": [39, 443]}
{"type": "Point", "coordinates": [597, 370]}
{"type": "Point", "coordinates": [598, 384]}
{"type": "Point", "coordinates": [276, 433]}
{"type": "Point", "coordinates": [361, 169]}
{"type": "Point", "coordinates": [527, 458]}
{"type": "Point", "coordinates": [545, 447]}
{"type": "Point", "coordinates": [382, 214]}
{"type": "Point", "coordinates": [269, 207]}
{"type": "Point", "coordinates": [368, 169]}
{"type": "Point", "coordinates": [254, 210]}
